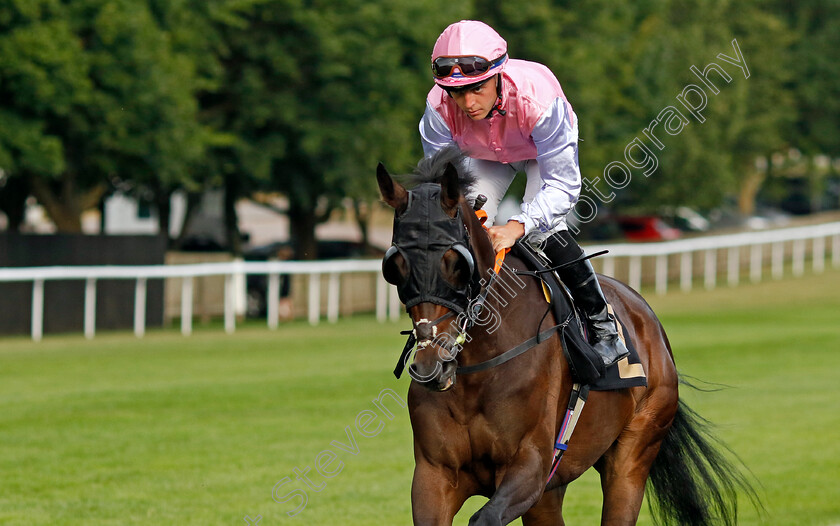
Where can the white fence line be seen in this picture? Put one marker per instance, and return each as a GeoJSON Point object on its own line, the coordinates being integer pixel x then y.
{"type": "Point", "coordinates": [387, 302]}
{"type": "Point", "coordinates": [732, 245]}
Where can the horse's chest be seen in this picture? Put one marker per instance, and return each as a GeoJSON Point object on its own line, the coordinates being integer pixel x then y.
{"type": "Point", "coordinates": [479, 440]}
{"type": "Point", "coordinates": [474, 432]}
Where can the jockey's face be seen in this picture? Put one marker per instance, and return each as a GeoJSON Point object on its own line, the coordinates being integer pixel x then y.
{"type": "Point", "coordinates": [478, 101]}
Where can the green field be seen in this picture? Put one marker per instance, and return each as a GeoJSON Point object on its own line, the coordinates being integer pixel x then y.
{"type": "Point", "coordinates": [198, 430]}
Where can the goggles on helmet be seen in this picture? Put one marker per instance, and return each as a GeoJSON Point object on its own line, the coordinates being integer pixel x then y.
{"type": "Point", "coordinates": [443, 67]}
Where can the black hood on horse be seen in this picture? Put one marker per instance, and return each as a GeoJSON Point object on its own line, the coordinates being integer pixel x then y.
{"type": "Point", "coordinates": [423, 233]}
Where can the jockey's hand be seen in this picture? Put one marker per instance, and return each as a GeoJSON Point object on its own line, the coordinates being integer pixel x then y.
{"type": "Point", "coordinates": [505, 236]}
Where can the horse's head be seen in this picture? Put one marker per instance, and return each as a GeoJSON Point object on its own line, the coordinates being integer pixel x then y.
{"type": "Point", "coordinates": [438, 253]}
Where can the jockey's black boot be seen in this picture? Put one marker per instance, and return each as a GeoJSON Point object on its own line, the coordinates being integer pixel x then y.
{"type": "Point", "coordinates": [580, 278]}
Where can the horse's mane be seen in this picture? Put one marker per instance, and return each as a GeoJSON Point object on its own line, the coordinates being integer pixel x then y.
{"type": "Point", "coordinates": [430, 169]}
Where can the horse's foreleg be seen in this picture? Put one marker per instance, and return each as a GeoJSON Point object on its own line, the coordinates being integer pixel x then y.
{"type": "Point", "coordinates": [520, 488]}
{"type": "Point", "coordinates": [435, 499]}
{"type": "Point", "coordinates": [548, 511]}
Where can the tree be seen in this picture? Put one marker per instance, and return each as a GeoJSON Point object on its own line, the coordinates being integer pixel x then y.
{"type": "Point", "coordinates": [815, 78]}
{"type": "Point", "coordinates": [815, 84]}
{"type": "Point", "coordinates": [622, 64]}
{"type": "Point", "coordinates": [13, 194]}
{"type": "Point", "coordinates": [315, 95]}
{"type": "Point", "coordinates": [762, 107]}
{"type": "Point", "coordinates": [90, 92]}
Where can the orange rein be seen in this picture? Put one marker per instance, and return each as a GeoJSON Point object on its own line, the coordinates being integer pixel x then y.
{"type": "Point", "coordinates": [500, 255]}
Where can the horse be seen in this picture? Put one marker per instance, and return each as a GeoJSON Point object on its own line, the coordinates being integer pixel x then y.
{"type": "Point", "coordinates": [492, 433]}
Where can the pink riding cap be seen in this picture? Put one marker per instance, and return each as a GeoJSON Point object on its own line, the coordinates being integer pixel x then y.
{"type": "Point", "coordinates": [469, 38]}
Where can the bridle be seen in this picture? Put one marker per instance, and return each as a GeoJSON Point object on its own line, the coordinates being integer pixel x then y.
{"type": "Point", "coordinates": [422, 234]}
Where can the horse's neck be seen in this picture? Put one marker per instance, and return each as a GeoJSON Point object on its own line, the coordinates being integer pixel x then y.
{"type": "Point", "coordinates": [513, 309]}
{"type": "Point", "coordinates": [481, 246]}
{"type": "Point", "coordinates": [506, 317]}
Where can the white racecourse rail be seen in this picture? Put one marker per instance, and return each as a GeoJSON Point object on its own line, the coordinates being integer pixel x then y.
{"type": "Point", "coordinates": [387, 302]}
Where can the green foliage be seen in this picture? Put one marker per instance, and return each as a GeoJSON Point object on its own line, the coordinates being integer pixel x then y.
{"type": "Point", "coordinates": [304, 97]}
{"type": "Point", "coordinates": [621, 64]}
{"type": "Point", "coordinates": [92, 91]}
{"type": "Point", "coordinates": [316, 94]}
{"type": "Point", "coordinates": [42, 73]}
{"type": "Point", "coordinates": [815, 81]}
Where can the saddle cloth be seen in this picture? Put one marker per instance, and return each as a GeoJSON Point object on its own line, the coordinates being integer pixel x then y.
{"type": "Point", "coordinates": [627, 372]}
{"type": "Point", "coordinates": [585, 364]}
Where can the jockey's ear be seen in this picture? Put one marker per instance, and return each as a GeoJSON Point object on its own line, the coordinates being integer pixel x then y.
{"type": "Point", "coordinates": [450, 191]}
{"type": "Point", "coordinates": [392, 192]}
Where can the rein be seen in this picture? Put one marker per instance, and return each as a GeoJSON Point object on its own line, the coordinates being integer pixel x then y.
{"type": "Point", "coordinates": [516, 351]}
{"type": "Point", "coordinates": [536, 273]}
{"type": "Point", "coordinates": [531, 342]}
{"type": "Point", "coordinates": [477, 305]}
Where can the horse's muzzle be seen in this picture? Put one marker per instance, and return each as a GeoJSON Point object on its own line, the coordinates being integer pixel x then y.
{"type": "Point", "coordinates": [436, 376]}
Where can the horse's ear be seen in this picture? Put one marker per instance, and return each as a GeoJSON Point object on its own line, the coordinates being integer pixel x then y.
{"type": "Point", "coordinates": [450, 190]}
{"type": "Point", "coordinates": [392, 192]}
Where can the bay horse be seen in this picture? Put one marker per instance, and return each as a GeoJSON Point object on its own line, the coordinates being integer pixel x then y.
{"type": "Point", "coordinates": [492, 433]}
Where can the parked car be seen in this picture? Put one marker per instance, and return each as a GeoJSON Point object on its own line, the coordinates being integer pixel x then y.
{"type": "Point", "coordinates": [685, 218]}
{"type": "Point", "coordinates": [647, 228]}
{"type": "Point", "coordinates": [768, 217]}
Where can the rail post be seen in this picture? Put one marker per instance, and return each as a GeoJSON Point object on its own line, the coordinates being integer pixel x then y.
{"type": "Point", "coordinates": [37, 309]}
{"type": "Point", "coordinates": [90, 308]}
{"type": "Point", "coordinates": [140, 307]}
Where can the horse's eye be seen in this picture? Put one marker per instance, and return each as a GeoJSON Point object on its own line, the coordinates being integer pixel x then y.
{"type": "Point", "coordinates": [455, 269]}
{"type": "Point", "coordinates": [395, 269]}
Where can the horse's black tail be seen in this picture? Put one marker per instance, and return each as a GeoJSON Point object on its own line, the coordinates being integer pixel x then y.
{"type": "Point", "coordinates": [691, 482]}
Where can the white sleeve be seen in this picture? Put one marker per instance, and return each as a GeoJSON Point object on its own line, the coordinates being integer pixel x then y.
{"type": "Point", "coordinates": [555, 136]}
{"type": "Point", "coordinates": [434, 133]}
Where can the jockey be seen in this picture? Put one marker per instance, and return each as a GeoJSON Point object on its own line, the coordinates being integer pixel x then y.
{"type": "Point", "coordinates": [511, 115]}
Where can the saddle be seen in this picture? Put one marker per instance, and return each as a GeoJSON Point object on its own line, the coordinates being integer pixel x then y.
{"type": "Point", "coordinates": [585, 364]}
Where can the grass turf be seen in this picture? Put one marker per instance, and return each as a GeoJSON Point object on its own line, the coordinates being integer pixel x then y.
{"type": "Point", "coordinates": [199, 430]}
